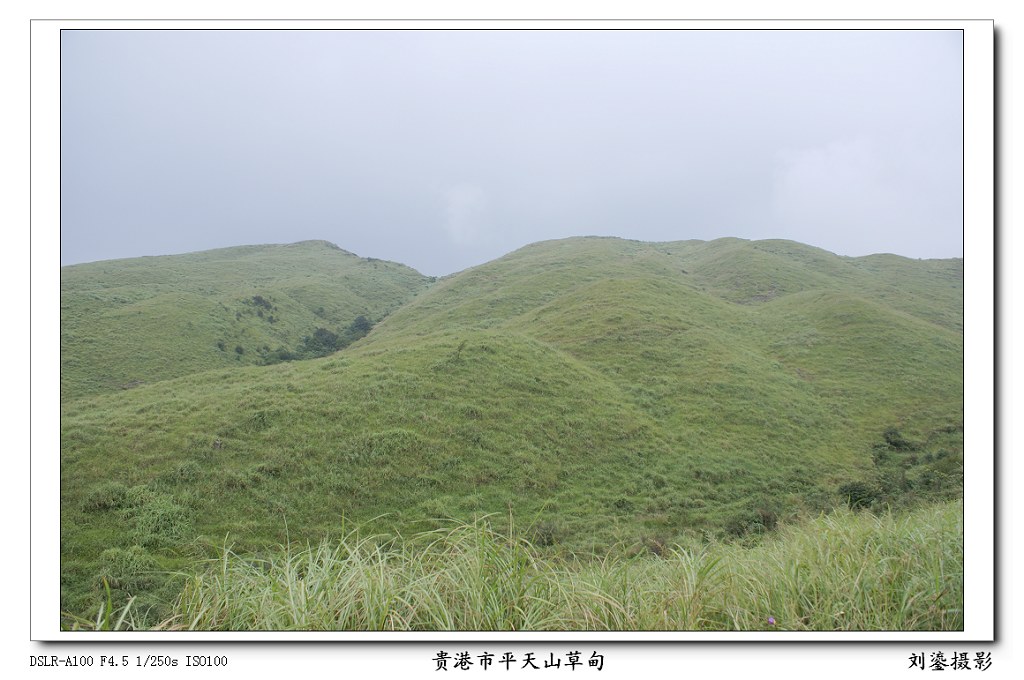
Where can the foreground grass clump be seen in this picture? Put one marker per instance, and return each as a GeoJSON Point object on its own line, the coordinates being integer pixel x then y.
{"type": "Point", "coordinates": [845, 571]}
{"type": "Point", "coordinates": [107, 618]}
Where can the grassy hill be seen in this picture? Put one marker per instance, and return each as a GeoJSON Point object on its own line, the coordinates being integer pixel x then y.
{"type": "Point", "coordinates": [130, 322]}
{"type": "Point", "coordinates": [610, 395]}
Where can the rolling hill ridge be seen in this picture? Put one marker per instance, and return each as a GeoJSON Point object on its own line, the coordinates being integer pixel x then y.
{"type": "Point", "coordinates": [610, 394]}
{"type": "Point", "coordinates": [129, 322]}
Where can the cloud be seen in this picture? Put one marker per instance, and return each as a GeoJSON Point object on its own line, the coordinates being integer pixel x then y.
{"type": "Point", "coordinates": [465, 209]}
{"type": "Point", "coordinates": [445, 149]}
{"type": "Point", "coordinates": [833, 194]}
{"type": "Point", "coordinates": [828, 180]}
{"type": "Point", "coordinates": [868, 194]}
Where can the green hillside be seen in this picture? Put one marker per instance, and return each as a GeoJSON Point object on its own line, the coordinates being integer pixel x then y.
{"type": "Point", "coordinates": [125, 323]}
{"type": "Point", "coordinates": [611, 395]}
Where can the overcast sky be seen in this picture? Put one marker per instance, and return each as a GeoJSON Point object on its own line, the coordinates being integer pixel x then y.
{"type": "Point", "coordinates": [445, 149]}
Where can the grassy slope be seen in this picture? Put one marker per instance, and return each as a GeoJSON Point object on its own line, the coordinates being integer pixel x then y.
{"type": "Point", "coordinates": [606, 391]}
{"type": "Point", "coordinates": [128, 322]}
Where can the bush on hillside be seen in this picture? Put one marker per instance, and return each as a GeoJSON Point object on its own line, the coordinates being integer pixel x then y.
{"type": "Point", "coordinates": [321, 343]}
{"type": "Point", "coordinates": [858, 494]}
{"type": "Point", "coordinates": [260, 301]}
{"type": "Point", "coordinates": [897, 441]}
{"type": "Point", "coordinates": [358, 328]}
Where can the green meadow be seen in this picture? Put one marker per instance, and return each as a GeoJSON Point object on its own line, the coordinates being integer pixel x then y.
{"type": "Point", "coordinates": [591, 433]}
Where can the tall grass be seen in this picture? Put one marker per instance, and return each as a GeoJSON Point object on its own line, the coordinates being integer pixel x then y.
{"type": "Point", "coordinates": [845, 571]}
{"type": "Point", "coordinates": [108, 617]}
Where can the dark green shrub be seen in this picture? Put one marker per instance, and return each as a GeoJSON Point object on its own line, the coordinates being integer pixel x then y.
{"type": "Point", "coordinates": [759, 515]}
{"type": "Point", "coordinates": [321, 343]}
{"type": "Point", "coordinates": [358, 328]}
{"type": "Point", "coordinates": [280, 354]}
{"type": "Point", "coordinates": [858, 494]}
{"type": "Point", "coordinates": [260, 301]}
{"type": "Point", "coordinates": [894, 481]}
{"type": "Point", "coordinates": [897, 441]}
{"type": "Point", "coordinates": [325, 338]}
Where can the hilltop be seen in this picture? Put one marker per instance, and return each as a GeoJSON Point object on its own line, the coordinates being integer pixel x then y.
{"type": "Point", "coordinates": [611, 394]}
{"type": "Point", "coordinates": [126, 323]}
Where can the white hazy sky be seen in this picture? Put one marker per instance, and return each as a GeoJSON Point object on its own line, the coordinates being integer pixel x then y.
{"type": "Point", "coordinates": [445, 149]}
